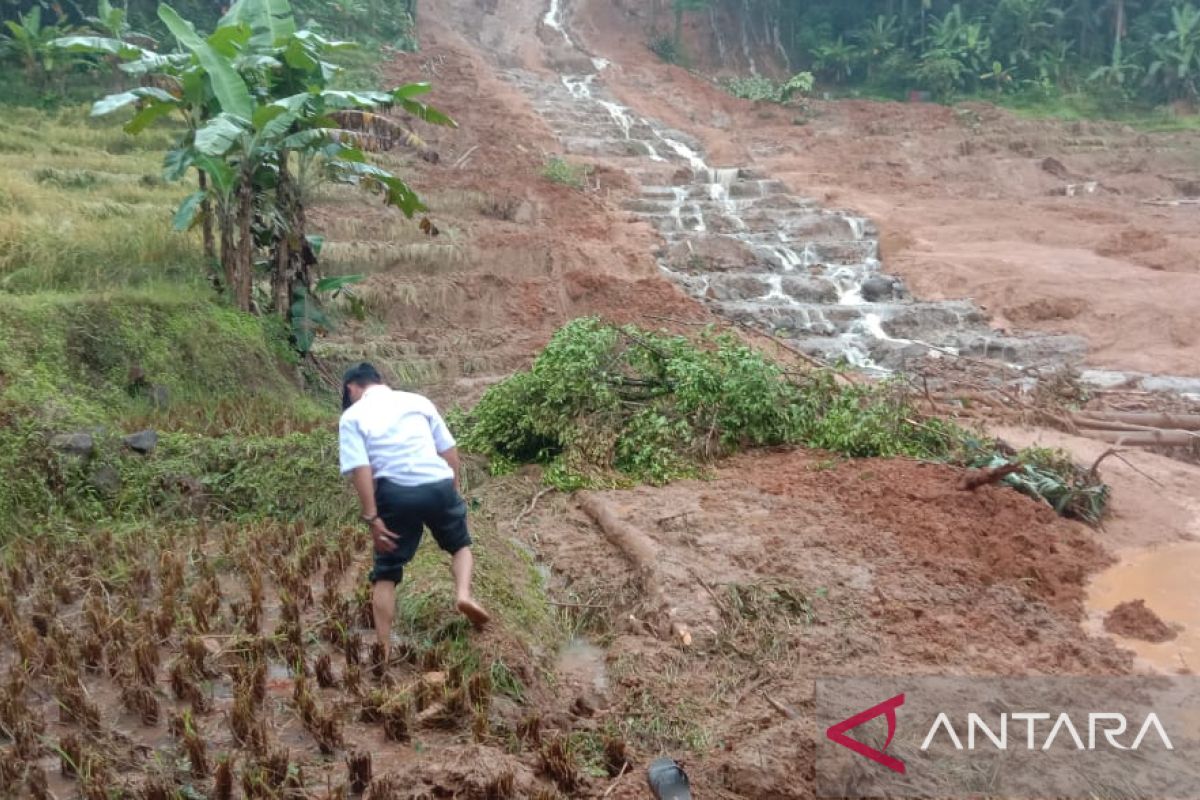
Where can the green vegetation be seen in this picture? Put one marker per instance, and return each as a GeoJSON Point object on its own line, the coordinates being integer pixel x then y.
{"type": "Point", "coordinates": [1122, 53]}
{"type": "Point", "coordinates": [559, 170]}
{"type": "Point", "coordinates": [758, 87]}
{"type": "Point", "coordinates": [608, 405]}
{"type": "Point", "coordinates": [257, 121]}
{"type": "Point", "coordinates": [82, 207]}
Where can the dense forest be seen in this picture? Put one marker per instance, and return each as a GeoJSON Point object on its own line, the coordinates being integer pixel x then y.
{"type": "Point", "coordinates": [1120, 49]}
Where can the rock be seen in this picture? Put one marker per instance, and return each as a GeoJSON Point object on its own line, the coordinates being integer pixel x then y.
{"type": "Point", "coordinates": [879, 289]}
{"type": "Point", "coordinates": [159, 395]}
{"type": "Point", "coordinates": [1056, 168]}
{"type": "Point", "coordinates": [1133, 620]}
{"type": "Point", "coordinates": [106, 480]}
{"type": "Point", "coordinates": [142, 441]}
{"type": "Point", "coordinates": [78, 445]}
{"type": "Point", "coordinates": [737, 287]}
{"type": "Point", "coordinates": [810, 290]}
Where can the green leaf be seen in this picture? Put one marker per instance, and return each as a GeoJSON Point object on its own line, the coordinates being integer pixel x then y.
{"type": "Point", "coordinates": [427, 113]}
{"type": "Point", "coordinates": [271, 20]}
{"type": "Point", "coordinates": [217, 136]}
{"type": "Point", "coordinates": [114, 102]}
{"type": "Point", "coordinates": [305, 140]}
{"type": "Point", "coordinates": [229, 41]}
{"type": "Point", "coordinates": [176, 163]}
{"type": "Point", "coordinates": [221, 175]}
{"type": "Point", "coordinates": [228, 87]}
{"type": "Point", "coordinates": [99, 44]}
{"type": "Point", "coordinates": [148, 115]}
{"type": "Point", "coordinates": [317, 242]}
{"type": "Point", "coordinates": [395, 191]}
{"type": "Point", "coordinates": [336, 283]}
{"type": "Point", "coordinates": [186, 214]}
{"type": "Point", "coordinates": [411, 90]}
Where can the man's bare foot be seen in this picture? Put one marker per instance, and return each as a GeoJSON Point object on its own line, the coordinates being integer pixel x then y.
{"type": "Point", "coordinates": [474, 612]}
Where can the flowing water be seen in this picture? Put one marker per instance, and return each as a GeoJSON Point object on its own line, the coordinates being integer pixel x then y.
{"type": "Point", "coordinates": [760, 254]}
{"type": "Point", "coordinates": [1166, 578]}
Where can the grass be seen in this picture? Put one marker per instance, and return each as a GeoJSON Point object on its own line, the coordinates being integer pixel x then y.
{"type": "Point", "coordinates": [83, 206]}
{"type": "Point", "coordinates": [561, 171]}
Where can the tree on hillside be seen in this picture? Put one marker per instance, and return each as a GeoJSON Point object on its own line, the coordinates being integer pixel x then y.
{"type": "Point", "coordinates": [256, 101]}
{"type": "Point", "coordinates": [1135, 49]}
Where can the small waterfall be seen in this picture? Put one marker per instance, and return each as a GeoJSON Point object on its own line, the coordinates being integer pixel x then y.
{"type": "Point", "coordinates": [617, 112]}
{"type": "Point", "coordinates": [553, 19]}
{"type": "Point", "coordinates": [686, 153]}
{"type": "Point", "coordinates": [742, 232]}
{"type": "Point", "coordinates": [776, 293]}
{"type": "Point", "coordinates": [677, 206]}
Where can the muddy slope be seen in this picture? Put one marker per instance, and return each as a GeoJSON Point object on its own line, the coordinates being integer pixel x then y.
{"type": "Point", "coordinates": [1049, 226]}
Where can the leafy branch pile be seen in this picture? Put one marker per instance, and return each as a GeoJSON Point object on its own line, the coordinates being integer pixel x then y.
{"type": "Point", "coordinates": [760, 87]}
{"type": "Point", "coordinates": [609, 405]}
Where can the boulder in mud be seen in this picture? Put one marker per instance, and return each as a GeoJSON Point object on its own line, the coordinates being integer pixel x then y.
{"type": "Point", "coordinates": [1133, 620]}
{"type": "Point", "coordinates": [737, 287]}
{"type": "Point", "coordinates": [879, 289]}
{"type": "Point", "coordinates": [74, 445]}
{"type": "Point", "coordinates": [715, 254]}
{"type": "Point", "coordinates": [810, 290]}
{"type": "Point", "coordinates": [141, 442]}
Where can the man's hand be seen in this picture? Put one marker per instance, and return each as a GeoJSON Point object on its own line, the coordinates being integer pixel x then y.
{"type": "Point", "coordinates": [385, 540]}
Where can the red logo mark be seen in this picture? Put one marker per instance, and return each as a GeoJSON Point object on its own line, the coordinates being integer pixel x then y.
{"type": "Point", "coordinates": [837, 733]}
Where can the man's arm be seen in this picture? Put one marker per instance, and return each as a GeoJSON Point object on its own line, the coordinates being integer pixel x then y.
{"type": "Point", "coordinates": [354, 462]}
{"type": "Point", "coordinates": [443, 440]}
{"type": "Point", "coordinates": [451, 457]}
{"type": "Point", "coordinates": [364, 484]}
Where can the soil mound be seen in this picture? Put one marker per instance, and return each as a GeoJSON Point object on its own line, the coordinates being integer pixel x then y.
{"type": "Point", "coordinates": [1133, 620]}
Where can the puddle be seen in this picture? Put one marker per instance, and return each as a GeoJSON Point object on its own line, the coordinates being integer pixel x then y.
{"type": "Point", "coordinates": [1165, 578]}
{"type": "Point", "coordinates": [581, 665]}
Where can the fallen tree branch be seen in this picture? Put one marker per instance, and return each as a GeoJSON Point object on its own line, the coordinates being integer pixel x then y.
{"type": "Point", "coordinates": [975, 478]}
{"type": "Point", "coordinates": [1112, 451]}
{"type": "Point", "coordinates": [642, 553]}
{"type": "Point", "coordinates": [1150, 438]}
{"type": "Point", "coordinates": [529, 509]}
{"type": "Point", "coordinates": [1182, 422]}
{"type": "Point", "coordinates": [780, 707]}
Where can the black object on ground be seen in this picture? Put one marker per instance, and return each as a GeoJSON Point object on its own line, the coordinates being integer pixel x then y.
{"type": "Point", "coordinates": [668, 781]}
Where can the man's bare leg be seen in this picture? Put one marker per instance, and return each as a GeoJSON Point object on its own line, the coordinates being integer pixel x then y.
{"type": "Point", "coordinates": [383, 606]}
{"type": "Point", "coordinates": [461, 566]}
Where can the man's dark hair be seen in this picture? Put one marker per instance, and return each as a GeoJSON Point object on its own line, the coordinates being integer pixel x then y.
{"type": "Point", "coordinates": [363, 375]}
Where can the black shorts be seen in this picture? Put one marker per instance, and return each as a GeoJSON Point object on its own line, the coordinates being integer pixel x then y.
{"type": "Point", "coordinates": [407, 511]}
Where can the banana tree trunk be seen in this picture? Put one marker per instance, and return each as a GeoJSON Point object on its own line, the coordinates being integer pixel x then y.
{"type": "Point", "coordinates": [244, 254]}
{"type": "Point", "coordinates": [206, 221]}
{"type": "Point", "coordinates": [292, 257]}
{"type": "Point", "coordinates": [225, 222]}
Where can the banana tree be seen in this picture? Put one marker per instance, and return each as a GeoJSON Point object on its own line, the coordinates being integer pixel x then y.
{"type": "Point", "coordinates": [1176, 64]}
{"type": "Point", "coordinates": [30, 42]}
{"type": "Point", "coordinates": [255, 98]}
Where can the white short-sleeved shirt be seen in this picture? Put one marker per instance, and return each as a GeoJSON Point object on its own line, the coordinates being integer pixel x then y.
{"type": "Point", "coordinates": [397, 434]}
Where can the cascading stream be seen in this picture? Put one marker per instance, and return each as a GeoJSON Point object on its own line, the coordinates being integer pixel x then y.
{"type": "Point", "coordinates": [759, 254]}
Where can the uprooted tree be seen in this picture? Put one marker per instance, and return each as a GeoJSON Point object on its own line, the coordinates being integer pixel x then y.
{"type": "Point", "coordinates": [604, 405]}
{"type": "Point", "coordinates": [257, 107]}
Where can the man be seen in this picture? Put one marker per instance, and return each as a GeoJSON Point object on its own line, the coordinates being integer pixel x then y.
{"type": "Point", "coordinates": [404, 466]}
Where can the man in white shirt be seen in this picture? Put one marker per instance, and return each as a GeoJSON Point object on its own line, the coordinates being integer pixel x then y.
{"type": "Point", "coordinates": [404, 465]}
